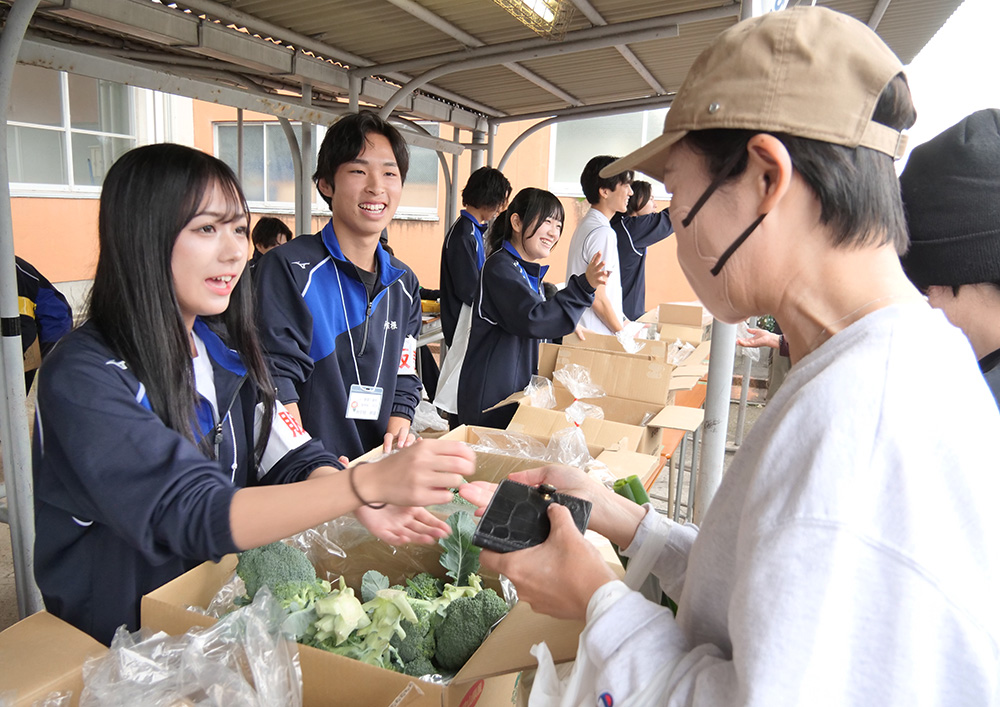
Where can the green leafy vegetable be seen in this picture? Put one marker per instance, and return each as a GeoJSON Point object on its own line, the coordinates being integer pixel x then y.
{"type": "Point", "coordinates": [371, 583]}
{"type": "Point", "coordinates": [460, 557]}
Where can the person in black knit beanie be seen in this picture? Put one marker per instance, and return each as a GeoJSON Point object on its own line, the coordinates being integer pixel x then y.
{"type": "Point", "coordinates": [950, 191]}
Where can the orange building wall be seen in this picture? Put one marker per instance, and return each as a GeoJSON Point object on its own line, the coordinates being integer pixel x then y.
{"type": "Point", "coordinates": [59, 236]}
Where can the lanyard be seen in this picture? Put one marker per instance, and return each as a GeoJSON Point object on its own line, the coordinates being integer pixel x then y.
{"type": "Point", "coordinates": [347, 322]}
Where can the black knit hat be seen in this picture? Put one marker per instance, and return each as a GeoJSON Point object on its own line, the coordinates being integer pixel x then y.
{"type": "Point", "coordinates": [951, 195]}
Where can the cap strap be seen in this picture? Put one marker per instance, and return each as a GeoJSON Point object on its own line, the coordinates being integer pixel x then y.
{"type": "Point", "coordinates": [884, 139]}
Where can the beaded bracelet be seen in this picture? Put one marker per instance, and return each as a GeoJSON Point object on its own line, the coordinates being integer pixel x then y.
{"type": "Point", "coordinates": [350, 479]}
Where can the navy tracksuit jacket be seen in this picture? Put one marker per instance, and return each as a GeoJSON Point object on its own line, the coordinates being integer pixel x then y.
{"type": "Point", "coordinates": [635, 234]}
{"type": "Point", "coordinates": [509, 318]}
{"type": "Point", "coordinates": [123, 503]}
{"type": "Point", "coordinates": [304, 290]}
{"type": "Point", "coordinates": [462, 257]}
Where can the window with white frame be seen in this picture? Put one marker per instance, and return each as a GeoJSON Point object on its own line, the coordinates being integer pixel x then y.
{"type": "Point", "coordinates": [574, 142]}
{"type": "Point", "coordinates": [64, 130]}
{"type": "Point", "coordinates": [269, 175]}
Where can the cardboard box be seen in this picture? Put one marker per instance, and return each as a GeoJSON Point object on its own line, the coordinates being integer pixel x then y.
{"type": "Point", "coordinates": [487, 680]}
{"type": "Point", "coordinates": [43, 654]}
{"type": "Point", "coordinates": [656, 350]}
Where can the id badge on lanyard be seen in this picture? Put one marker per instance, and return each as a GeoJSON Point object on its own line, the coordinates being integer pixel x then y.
{"type": "Point", "coordinates": [364, 402]}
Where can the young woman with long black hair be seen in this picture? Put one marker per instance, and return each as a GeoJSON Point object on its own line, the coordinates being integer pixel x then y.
{"type": "Point", "coordinates": [149, 456]}
{"type": "Point", "coordinates": [510, 315]}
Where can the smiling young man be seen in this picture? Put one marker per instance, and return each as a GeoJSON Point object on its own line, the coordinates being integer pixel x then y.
{"type": "Point", "coordinates": [338, 315]}
{"type": "Point", "coordinates": [607, 196]}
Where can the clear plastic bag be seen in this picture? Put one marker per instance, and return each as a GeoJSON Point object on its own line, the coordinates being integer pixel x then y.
{"type": "Point", "coordinates": [751, 352]}
{"type": "Point", "coordinates": [678, 352]}
{"type": "Point", "coordinates": [576, 379]}
{"type": "Point", "coordinates": [242, 660]}
{"type": "Point", "coordinates": [540, 393]}
{"type": "Point", "coordinates": [629, 337]}
{"type": "Point", "coordinates": [578, 411]}
{"type": "Point", "coordinates": [426, 417]}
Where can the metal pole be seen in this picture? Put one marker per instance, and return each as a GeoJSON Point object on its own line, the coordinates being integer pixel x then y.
{"type": "Point", "coordinates": [304, 186]}
{"type": "Point", "coordinates": [239, 144]}
{"type": "Point", "coordinates": [13, 421]}
{"type": "Point", "coordinates": [293, 146]}
{"type": "Point", "coordinates": [741, 414]}
{"type": "Point", "coordinates": [453, 191]}
{"type": "Point", "coordinates": [477, 156]}
{"type": "Point", "coordinates": [713, 447]}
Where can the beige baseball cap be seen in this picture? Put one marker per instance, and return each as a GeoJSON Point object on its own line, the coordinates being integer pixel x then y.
{"type": "Point", "coordinates": [805, 71]}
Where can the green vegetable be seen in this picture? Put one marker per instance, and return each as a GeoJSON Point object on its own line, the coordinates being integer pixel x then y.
{"type": "Point", "coordinates": [417, 645]}
{"type": "Point", "coordinates": [371, 582]}
{"type": "Point", "coordinates": [338, 615]}
{"type": "Point", "coordinates": [632, 489]}
{"type": "Point", "coordinates": [460, 557]}
{"type": "Point", "coordinates": [424, 586]}
{"type": "Point", "coordinates": [465, 626]}
{"type": "Point", "coordinates": [273, 565]}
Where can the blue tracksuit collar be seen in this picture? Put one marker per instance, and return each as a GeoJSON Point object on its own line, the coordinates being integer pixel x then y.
{"type": "Point", "coordinates": [533, 272]}
{"type": "Point", "coordinates": [218, 351]}
{"type": "Point", "coordinates": [387, 272]}
{"type": "Point", "coordinates": [477, 231]}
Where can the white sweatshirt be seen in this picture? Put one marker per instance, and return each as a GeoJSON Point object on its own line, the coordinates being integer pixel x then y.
{"type": "Point", "coordinates": [852, 553]}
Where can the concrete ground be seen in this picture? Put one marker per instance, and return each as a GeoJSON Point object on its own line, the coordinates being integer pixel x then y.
{"type": "Point", "coordinates": [758, 391]}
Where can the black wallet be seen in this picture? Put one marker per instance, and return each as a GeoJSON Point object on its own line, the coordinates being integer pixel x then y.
{"type": "Point", "coordinates": [517, 518]}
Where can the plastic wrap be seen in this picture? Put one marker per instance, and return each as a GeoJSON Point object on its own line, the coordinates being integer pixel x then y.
{"type": "Point", "coordinates": [540, 393]}
{"type": "Point", "coordinates": [751, 352]}
{"type": "Point", "coordinates": [579, 411]}
{"type": "Point", "coordinates": [576, 379]}
{"type": "Point", "coordinates": [426, 417]}
{"type": "Point", "coordinates": [242, 660]}
{"type": "Point", "coordinates": [630, 335]}
{"type": "Point", "coordinates": [678, 352]}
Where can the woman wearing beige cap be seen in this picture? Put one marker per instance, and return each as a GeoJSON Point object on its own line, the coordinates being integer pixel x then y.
{"type": "Point", "coordinates": [852, 553]}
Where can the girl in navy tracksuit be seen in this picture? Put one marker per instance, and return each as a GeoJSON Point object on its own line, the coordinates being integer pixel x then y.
{"type": "Point", "coordinates": [510, 315]}
{"type": "Point", "coordinates": [148, 455]}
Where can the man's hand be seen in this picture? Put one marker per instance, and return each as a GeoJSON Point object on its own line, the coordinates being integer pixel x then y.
{"type": "Point", "coordinates": [398, 525]}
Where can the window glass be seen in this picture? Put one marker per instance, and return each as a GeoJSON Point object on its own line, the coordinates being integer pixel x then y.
{"type": "Point", "coordinates": [36, 156]}
{"type": "Point", "coordinates": [93, 155]}
{"type": "Point", "coordinates": [35, 96]}
{"type": "Point", "coordinates": [577, 141]}
{"type": "Point", "coordinates": [280, 168]}
{"type": "Point", "coordinates": [96, 123]}
{"type": "Point", "coordinates": [253, 156]}
{"type": "Point", "coordinates": [101, 106]}
{"type": "Point", "coordinates": [420, 192]}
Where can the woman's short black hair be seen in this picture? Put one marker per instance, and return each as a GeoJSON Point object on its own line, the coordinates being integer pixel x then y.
{"type": "Point", "coordinates": [265, 233]}
{"type": "Point", "coordinates": [642, 192]}
{"type": "Point", "coordinates": [857, 188]}
{"type": "Point", "coordinates": [487, 188]}
{"type": "Point", "coordinates": [592, 181]}
{"type": "Point", "coordinates": [347, 137]}
{"type": "Point", "coordinates": [532, 206]}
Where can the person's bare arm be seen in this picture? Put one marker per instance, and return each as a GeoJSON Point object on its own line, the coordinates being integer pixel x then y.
{"type": "Point", "coordinates": [605, 311]}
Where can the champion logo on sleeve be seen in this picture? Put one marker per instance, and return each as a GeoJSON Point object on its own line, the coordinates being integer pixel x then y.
{"type": "Point", "coordinates": [605, 700]}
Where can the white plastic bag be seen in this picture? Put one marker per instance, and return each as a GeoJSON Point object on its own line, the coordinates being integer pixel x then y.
{"type": "Point", "coordinates": [627, 337]}
{"type": "Point", "coordinates": [451, 368]}
{"type": "Point", "coordinates": [678, 352]}
{"type": "Point", "coordinates": [751, 352]}
{"type": "Point", "coordinates": [426, 417]}
{"type": "Point", "coordinates": [540, 394]}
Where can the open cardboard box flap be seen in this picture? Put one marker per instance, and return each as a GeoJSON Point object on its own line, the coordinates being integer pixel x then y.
{"type": "Point", "coordinates": [605, 342]}
{"type": "Point", "coordinates": [620, 375]}
{"type": "Point", "coordinates": [684, 313]}
{"type": "Point", "coordinates": [42, 654]}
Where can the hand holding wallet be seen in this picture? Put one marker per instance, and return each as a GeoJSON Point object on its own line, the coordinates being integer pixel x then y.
{"type": "Point", "coordinates": [517, 516]}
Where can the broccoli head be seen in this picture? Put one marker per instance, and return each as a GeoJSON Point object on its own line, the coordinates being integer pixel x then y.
{"type": "Point", "coordinates": [424, 586]}
{"type": "Point", "coordinates": [271, 565]}
{"type": "Point", "coordinates": [465, 626]}
{"type": "Point", "coordinates": [418, 643]}
{"type": "Point", "coordinates": [419, 668]}
{"type": "Point", "coordinates": [296, 596]}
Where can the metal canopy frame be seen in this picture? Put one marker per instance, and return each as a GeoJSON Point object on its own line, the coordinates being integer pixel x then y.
{"type": "Point", "coordinates": [480, 69]}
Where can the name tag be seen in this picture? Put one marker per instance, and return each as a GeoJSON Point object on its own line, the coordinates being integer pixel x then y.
{"type": "Point", "coordinates": [408, 359]}
{"type": "Point", "coordinates": [364, 402]}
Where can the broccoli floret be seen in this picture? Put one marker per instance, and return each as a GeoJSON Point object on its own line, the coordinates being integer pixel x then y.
{"type": "Point", "coordinates": [424, 586]}
{"type": "Point", "coordinates": [271, 565]}
{"type": "Point", "coordinates": [418, 643]}
{"type": "Point", "coordinates": [465, 626]}
{"type": "Point", "coordinates": [296, 596]}
{"type": "Point", "coordinates": [419, 668]}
